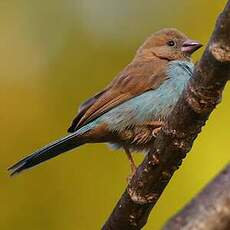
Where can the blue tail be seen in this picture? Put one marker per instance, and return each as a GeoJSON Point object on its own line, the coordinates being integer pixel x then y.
{"type": "Point", "coordinates": [49, 151]}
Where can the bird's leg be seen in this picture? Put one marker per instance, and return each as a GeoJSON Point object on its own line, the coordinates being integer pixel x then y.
{"type": "Point", "coordinates": [131, 162]}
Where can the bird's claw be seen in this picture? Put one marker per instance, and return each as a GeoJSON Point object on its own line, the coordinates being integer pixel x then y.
{"type": "Point", "coordinates": [156, 131]}
{"type": "Point", "coordinates": [142, 137]}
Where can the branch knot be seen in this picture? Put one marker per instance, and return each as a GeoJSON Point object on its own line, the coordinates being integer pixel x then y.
{"type": "Point", "coordinates": [202, 99]}
{"type": "Point", "coordinates": [220, 51]}
{"type": "Point", "coordinates": [142, 199]}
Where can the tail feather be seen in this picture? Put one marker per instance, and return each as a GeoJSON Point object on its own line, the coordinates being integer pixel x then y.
{"type": "Point", "coordinates": [49, 151]}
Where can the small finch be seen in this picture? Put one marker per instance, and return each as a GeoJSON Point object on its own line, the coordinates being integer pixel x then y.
{"type": "Point", "coordinates": [130, 111]}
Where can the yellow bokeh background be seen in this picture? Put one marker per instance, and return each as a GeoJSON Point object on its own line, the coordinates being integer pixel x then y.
{"type": "Point", "coordinates": [55, 54]}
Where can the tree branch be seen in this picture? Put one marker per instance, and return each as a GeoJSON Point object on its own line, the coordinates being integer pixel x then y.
{"type": "Point", "coordinates": [209, 210]}
{"type": "Point", "coordinates": [176, 138]}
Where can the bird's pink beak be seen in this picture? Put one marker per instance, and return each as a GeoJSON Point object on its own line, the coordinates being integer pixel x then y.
{"type": "Point", "coordinates": [190, 46]}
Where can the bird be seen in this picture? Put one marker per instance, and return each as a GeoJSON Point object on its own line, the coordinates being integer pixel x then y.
{"type": "Point", "coordinates": [130, 111]}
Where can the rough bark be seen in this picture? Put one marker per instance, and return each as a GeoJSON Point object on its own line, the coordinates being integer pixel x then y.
{"type": "Point", "coordinates": [176, 138]}
{"type": "Point", "coordinates": [209, 210]}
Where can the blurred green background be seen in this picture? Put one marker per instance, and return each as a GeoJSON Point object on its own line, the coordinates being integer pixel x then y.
{"type": "Point", "coordinates": [55, 54]}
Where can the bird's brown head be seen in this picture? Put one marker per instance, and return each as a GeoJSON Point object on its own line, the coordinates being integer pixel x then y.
{"type": "Point", "coordinates": [169, 44]}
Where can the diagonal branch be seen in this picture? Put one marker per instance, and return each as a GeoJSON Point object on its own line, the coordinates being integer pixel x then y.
{"type": "Point", "coordinates": [209, 210]}
{"type": "Point", "coordinates": [176, 138]}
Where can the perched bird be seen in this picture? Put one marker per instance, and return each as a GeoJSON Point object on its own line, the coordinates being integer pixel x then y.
{"type": "Point", "coordinates": [130, 111]}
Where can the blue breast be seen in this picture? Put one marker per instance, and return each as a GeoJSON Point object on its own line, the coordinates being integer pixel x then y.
{"type": "Point", "coordinates": [152, 105]}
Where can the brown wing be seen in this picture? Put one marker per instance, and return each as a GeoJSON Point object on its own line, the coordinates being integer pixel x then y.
{"type": "Point", "coordinates": [83, 108]}
{"type": "Point", "coordinates": [135, 79]}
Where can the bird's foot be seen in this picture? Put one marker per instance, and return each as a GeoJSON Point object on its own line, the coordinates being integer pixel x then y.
{"type": "Point", "coordinates": [156, 131]}
{"type": "Point", "coordinates": [142, 135]}
{"type": "Point", "coordinates": [154, 123]}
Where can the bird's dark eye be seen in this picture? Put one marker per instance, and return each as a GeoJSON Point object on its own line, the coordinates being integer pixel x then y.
{"type": "Point", "coordinates": [171, 43]}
